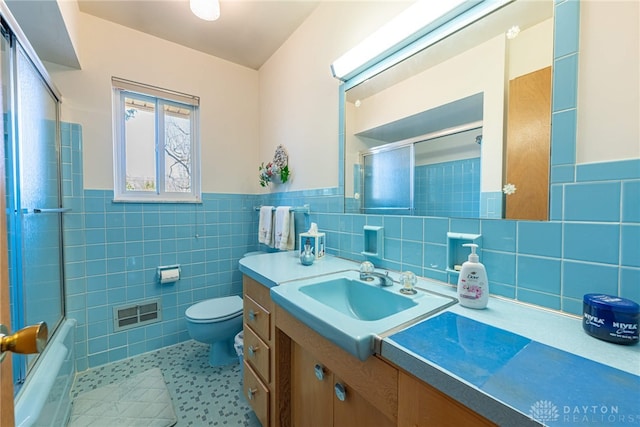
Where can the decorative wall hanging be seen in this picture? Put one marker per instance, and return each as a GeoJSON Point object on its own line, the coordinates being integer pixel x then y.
{"type": "Point", "coordinates": [276, 170]}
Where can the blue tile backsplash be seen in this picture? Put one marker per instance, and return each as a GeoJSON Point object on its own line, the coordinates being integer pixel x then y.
{"type": "Point", "coordinates": [448, 189]}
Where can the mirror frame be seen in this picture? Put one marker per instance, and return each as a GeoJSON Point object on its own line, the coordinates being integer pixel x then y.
{"type": "Point", "coordinates": [566, 26]}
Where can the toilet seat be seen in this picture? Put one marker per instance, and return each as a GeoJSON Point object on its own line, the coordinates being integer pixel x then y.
{"type": "Point", "coordinates": [215, 310]}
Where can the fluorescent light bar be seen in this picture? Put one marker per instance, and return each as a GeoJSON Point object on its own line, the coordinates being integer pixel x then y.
{"type": "Point", "coordinates": [414, 19]}
{"type": "Point", "coordinates": [209, 10]}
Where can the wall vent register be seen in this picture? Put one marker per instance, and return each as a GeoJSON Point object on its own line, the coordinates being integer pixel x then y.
{"type": "Point", "coordinates": [130, 316]}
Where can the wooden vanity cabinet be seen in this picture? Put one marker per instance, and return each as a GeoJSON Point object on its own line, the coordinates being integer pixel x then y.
{"type": "Point", "coordinates": [291, 374]}
{"type": "Point", "coordinates": [320, 398]}
{"type": "Point", "coordinates": [258, 326]}
{"type": "Point", "coordinates": [420, 405]}
{"type": "Point", "coordinates": [328, 386]}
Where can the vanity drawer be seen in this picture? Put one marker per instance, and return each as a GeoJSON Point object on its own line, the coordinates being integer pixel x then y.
{"type": "Point", "coordinates": [257, 353]}
{"type": "Point", "coordinates": [257, 394]}
{"type": "Point", "coordinates": [257, 317]}
{"type": "Point", "coordinates": [258, 292]}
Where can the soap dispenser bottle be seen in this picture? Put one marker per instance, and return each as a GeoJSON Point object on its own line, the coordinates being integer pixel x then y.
{"type": "Point", "coordinates": [473, 285]}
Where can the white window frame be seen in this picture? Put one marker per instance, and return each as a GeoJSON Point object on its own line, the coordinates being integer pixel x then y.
{"type": "Point", "coordinates": [122, 88]}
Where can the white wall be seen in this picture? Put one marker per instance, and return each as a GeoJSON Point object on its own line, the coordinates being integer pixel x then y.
{"type": "Point", "coordinates": [609, 81]}
{"type": "Point", "coordinates": [70, 12]}
{"type": "Point", "coordinates": [228, 99]}
{"type": "Point", "coordinates": [299, 96]}
{"type": "Point", "coordinates": [531, 50]}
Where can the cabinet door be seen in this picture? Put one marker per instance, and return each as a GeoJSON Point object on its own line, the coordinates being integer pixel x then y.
{"type": "Point", "coordinates": [420, 405]}
{"type": "Point", "coordinates": [350, 409]}
{"type": "Point", "coordinates": [311, 390]}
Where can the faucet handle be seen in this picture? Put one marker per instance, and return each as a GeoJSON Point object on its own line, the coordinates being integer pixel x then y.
{"type": "Point", "coordinates": [366, 268]}
{"type": "Point", "coordinates": [408, 280]}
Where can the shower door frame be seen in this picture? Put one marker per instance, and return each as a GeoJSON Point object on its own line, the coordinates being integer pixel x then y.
{"type": "Point", "coordinates": [19, 45]}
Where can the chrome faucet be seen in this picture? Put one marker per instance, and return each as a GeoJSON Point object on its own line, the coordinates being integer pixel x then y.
{"type": "Point", "coordinates": [385, 280]}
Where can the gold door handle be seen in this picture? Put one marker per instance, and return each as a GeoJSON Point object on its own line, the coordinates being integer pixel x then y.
{"type": "Point", "coordinates": [28, 340]}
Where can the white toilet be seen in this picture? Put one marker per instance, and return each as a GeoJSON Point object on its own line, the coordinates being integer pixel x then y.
{"type": "Point", "coordinates": [216, 321]}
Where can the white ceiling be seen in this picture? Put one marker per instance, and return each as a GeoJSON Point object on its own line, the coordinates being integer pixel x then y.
{"type": "Point", "coordinates": [248, 32]}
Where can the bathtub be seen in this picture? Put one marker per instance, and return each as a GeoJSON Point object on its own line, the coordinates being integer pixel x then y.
{"type": "Point", "coordinates": [44, 399]}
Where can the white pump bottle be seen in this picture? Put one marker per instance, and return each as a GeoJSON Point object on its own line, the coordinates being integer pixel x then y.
{"type": "Point", "coordinates": [473, 285]}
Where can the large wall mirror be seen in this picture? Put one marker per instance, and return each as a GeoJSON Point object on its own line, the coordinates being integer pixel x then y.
{"type": "Point", "coordinates": [459, 129]}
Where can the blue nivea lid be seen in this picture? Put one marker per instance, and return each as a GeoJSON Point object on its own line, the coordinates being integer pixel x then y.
{"type": "Point", "coordinates": [612, 302]}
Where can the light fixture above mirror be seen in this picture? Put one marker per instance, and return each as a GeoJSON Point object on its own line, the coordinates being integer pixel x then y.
{"type": "Point", "coordinates": [415, 21]}
{"type": "Point", "coordinates": [419, 26]}
{"type": "Point", "coordinates": [209, 10]}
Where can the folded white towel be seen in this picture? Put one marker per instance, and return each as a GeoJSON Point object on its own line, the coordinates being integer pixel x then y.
{"type": "Point", "coordinates": [265, 226]}
{"type": "Point", "coordinates": [284, 233]}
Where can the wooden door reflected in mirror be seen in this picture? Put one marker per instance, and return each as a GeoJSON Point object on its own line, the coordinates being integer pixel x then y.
{"type": "Point", "coordinates": [527, 150]}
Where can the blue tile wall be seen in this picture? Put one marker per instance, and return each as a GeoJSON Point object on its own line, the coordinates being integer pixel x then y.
{"type": "Point", "coordinates": [567, 23]}
{"type": "Point", "coordinates": [112, 251]}
{"type": "Point", "coordinates": [491, 204]}
{"type": "Point", "coordinates": [448, 189]}
{"type": "Point", "coordinates": [540, 238]}
{"type": "Point", "coordinates": [599, 201]}
{"type": "Point", "coordinates": [564, 132]}
{"type": "Point", "coordinates": [631, 201]}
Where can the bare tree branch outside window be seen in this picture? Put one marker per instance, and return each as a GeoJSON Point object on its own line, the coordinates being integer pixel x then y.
{"type": "Point", "coordinates": [178, 154]}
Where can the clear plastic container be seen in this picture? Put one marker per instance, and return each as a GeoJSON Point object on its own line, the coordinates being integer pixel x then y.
{"type": "Point", "coordinates": [238, 344]}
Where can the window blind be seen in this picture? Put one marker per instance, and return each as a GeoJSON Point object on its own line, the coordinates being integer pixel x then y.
{"type": "Point", "coordinates": [157, 92]}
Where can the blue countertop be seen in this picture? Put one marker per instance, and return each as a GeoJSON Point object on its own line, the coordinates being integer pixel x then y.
{"type": "Point", "coordinates": [513, 363]}
{"type": "Point", "coordinates": [549, 384]}
{"type": "Point", "coordinates": [273, 269]}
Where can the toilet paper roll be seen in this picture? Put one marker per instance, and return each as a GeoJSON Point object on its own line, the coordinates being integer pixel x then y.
{"type": "Point", "coordinates": [169, 275]}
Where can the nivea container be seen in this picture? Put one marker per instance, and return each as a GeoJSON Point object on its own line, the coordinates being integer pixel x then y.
{"type": "Point", "coordinates": [611, 318]}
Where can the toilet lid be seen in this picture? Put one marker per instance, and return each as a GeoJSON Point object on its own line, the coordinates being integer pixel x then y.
{"type": "Point", "coordinates": [215, 309]}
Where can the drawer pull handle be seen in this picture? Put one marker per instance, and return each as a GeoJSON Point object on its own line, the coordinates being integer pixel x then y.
{"type": "Point", "coordinates": [252, 314]}
{"type": "Point", "coordinates": [252, 350]}
{"type": "Point", "coordinates": [251, 392]}
{"type": "Point", "coordinates": [341, 393]}
{"type": "Point", "coordinates": [319, 370]}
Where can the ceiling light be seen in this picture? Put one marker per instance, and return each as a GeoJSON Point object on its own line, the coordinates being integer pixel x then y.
{"type": "Point", "coordinates": [209, 10]}
{"type": "Point", "coordinates": [404, 28]}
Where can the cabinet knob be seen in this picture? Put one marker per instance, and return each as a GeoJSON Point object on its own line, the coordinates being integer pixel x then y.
{"type": "Point", "coordinates": [252, 314]}
{"type": "Point", "coordinates": [319, 370]}
{"type": "Point", "coordinates": [251, 392]}
{"type": "Point", "coordinates": [341, 392]}
{"type": "Point", "coordinates": [252, 350]}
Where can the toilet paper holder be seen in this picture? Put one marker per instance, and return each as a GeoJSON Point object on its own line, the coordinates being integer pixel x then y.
{"type": "Point", "coordinates": [168, 273]}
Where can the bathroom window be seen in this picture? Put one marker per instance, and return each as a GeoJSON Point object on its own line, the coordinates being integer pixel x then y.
{"type": "Point", "coordinates": [156, 144]}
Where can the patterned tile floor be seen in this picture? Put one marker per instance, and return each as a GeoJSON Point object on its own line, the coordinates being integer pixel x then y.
{"type": "Point", "coordinates": [202, 395]}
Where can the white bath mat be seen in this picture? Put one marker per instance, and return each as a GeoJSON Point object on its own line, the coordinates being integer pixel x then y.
{"type": "Point", "coordinates": [142, 400]}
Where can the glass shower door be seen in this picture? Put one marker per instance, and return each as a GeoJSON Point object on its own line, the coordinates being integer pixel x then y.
{"type": "Point", "coordinates": [388, 181]}
{"type": "Point", "coordinates": [40, 200]}
{"type": "Point", "coordinates": [33, 198]}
